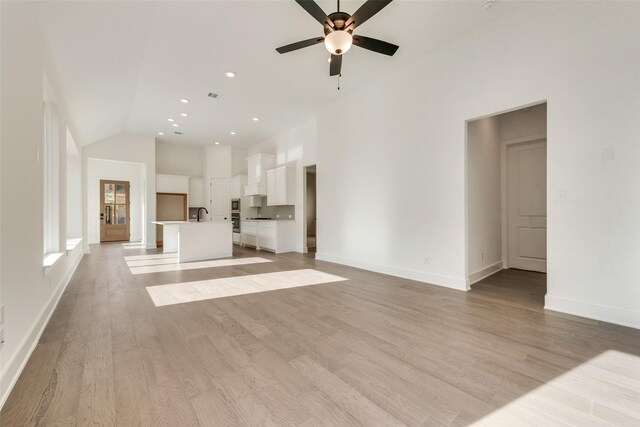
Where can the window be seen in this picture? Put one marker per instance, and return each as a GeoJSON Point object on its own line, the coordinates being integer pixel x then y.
{"type": "Point", "coordinates": [51, 180]}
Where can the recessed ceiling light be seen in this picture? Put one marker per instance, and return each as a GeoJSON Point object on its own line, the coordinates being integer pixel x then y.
{"type": "Point", "coordinates": [160, 133]}
{"type": "Point", "coordinates": [184, 100]}
{"type": "Point", "coordinates": [171, 120]}
{"type": "Point", "coordinates": [232, 132]}
{"type": "Point", "coordinates": [175, 125]}
{"type": "Point", "coordinates": [217, 143]}
{"type": "Point", "coordinates": [230, 74]}
{"type": "Point", "coordinates": [255, 119]}
{"type": "Point", "coordinates": [184, 114]}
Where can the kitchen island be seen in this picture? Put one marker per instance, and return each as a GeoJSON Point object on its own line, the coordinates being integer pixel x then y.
{"type": "Point", "coordinates": [197, 241]}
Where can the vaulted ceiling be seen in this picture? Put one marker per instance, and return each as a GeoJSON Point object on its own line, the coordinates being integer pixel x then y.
{"type": "Point", "coordinates": [124, 66]}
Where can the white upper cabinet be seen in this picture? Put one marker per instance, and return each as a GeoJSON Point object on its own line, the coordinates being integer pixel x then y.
{"type": "Point", "coordinates": [196, 192]}
{"type": "Point", "coordinates": [281, 186]}
{"type": "Point", "coordinates": [257, 167]}
{"type": "Point", "coordinates": [271, 187]}
{"type": "Point", "coordinates": [236, 186]}
{"type": "Point", "coordinates": [172, 184]}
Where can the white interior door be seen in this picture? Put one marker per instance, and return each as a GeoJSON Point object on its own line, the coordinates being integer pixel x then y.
{"type": "Point", "coordinates": [220, 201]}
{"type": "Point", "coordinates": [527, 205]}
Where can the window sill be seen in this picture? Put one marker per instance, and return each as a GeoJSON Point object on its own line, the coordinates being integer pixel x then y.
{"type": "Point", "coordinates": [51, 259]}
{"type": "Point", "coordinates": [73, 243]}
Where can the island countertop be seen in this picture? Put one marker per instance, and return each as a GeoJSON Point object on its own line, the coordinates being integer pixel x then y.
{"type": "Point", "coordinates": [196, 241]}
{"type": "Point", "coordinates": [162, 222]}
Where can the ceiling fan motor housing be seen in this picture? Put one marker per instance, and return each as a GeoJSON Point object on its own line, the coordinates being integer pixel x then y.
{"type": "Point", "coordinates": [338, 19]}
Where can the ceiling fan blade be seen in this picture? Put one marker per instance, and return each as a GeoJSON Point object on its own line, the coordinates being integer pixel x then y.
{"type": "Point", "coordinates": [314, 10]}
{"type": "Point", "coordinates": [300, 44]}
{"type": "Point", "coordinates": [375, 45]}
{"type": "Point", "coordinates": [366, 11]}
{"type": "Point", "coordinates": [335, 67]}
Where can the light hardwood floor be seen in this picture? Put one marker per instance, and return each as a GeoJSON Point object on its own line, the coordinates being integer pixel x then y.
{"type": "Point", "coordinates": [372, 350]}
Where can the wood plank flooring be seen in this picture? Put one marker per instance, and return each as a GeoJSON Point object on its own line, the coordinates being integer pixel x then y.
{"type": "Point", "coordinates": [372, 350]}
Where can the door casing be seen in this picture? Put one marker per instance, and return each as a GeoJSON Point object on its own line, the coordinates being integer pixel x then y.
{"type": "Point", "coordinates": [534, 223]}
{"type": "Point", "coordinates": [114, 232]}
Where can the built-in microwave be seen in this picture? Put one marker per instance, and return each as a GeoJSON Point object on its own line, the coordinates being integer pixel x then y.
{"type": "Point", "coordinates": [235, 205]}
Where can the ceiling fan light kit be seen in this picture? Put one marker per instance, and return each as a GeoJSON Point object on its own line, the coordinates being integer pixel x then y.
{"type": "Point", "coordinates": [338, 32]}
{"type": "Point", "coordinates": [338, 42]}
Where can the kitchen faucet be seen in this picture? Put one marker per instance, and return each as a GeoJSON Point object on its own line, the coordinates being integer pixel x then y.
{"type": "Point", "coordinates": [205, 209]}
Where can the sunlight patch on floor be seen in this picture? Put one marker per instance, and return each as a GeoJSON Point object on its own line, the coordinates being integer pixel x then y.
{"type": "Point", "coordinates": [151, 256]}
{"type": "Point", "coordinates": [603, 390]}
{"type": "Point", "coordinates": [153, 261]}
{"type": "Point", "coordinates": [134, 245]}
{"type": "Point", "coordinates": [177, 293]}
{"type": "Point", "coordinates": [174, 266]}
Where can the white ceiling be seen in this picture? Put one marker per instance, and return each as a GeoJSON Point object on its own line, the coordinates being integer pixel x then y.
{"type": "Point", "coordinates": [123, 66]}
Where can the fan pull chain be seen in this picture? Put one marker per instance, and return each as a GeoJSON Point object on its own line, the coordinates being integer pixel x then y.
{"type": "Point", "coordinates": [339, 75]}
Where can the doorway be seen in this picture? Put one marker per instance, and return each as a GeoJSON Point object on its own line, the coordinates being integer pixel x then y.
{"type": "Point", "coordinates": [506, 204]}
{"type": "Point", "coordinates": [114, 211]}
{"type": "Point", "coordinates": [310, 209]}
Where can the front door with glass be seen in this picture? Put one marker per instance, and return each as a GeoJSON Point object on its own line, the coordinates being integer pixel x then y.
{"type": "Point", "coordinates": [114, 211]}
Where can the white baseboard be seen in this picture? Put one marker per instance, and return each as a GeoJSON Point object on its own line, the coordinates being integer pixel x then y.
{"type": "Point", "coordinates": [485, 272]}
{"type": "Point", "coordinates": [19, 360]}
{"type": "Point", "coordinates": [420, 276]}
{"type": "Point", "coordinates": [605, 313]}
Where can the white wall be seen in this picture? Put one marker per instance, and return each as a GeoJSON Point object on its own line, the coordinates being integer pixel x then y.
{"type": "Point", "coordinates": [135, 173]}
{"type": "Point", "coordinates": [28, 291]}
{"type": "Point", "coordinates": [484, 198]}
{"type": "Point", "coordinates": [395, 193]}
{"type": "Point", "coordinates": [174, 159]}
{"type": "Point", "coordinates": [239, 161]}
{"type": "Point", "coordinates": [297, 148]}
{"type": "Point", "coordinates": [132, 149]}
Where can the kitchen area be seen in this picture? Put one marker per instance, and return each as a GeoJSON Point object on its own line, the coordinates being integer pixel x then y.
{"type": "Point", "coordinates": [202, 215]}
{"type": "Point", "coordinates": [265, 202]}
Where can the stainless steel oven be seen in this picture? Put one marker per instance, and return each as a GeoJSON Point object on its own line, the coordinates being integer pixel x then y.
{"type": "Point", "coordinates": [235, 221]}
{"type": "Point", "coordinates": [235, 205]}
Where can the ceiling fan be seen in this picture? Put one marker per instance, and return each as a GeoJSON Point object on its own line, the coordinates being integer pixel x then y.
{"type": "Point", "coordinates": [338, 32]}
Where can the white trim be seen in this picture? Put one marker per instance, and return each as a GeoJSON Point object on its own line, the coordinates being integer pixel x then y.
{"type": "Point", "coordinates": [604, 313]}
{"type": "Point", "coordinates": [50, 259]}
{"type": "Point", "coordinates": [19, 359]}
{"type": "Point", "coordinates": [421, 276]}
{"type": "Point", "coordinates": [485, 272]}
{"type": "Point", "coordinates": [73, 243]}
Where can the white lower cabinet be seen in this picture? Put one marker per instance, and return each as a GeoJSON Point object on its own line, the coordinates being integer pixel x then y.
{"type": "Point", "coordinates": [249, 232]}
{"type": "Point", "coordinates": [267, 235]}
{"type": "Point", "coordinates": [275, 236]}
